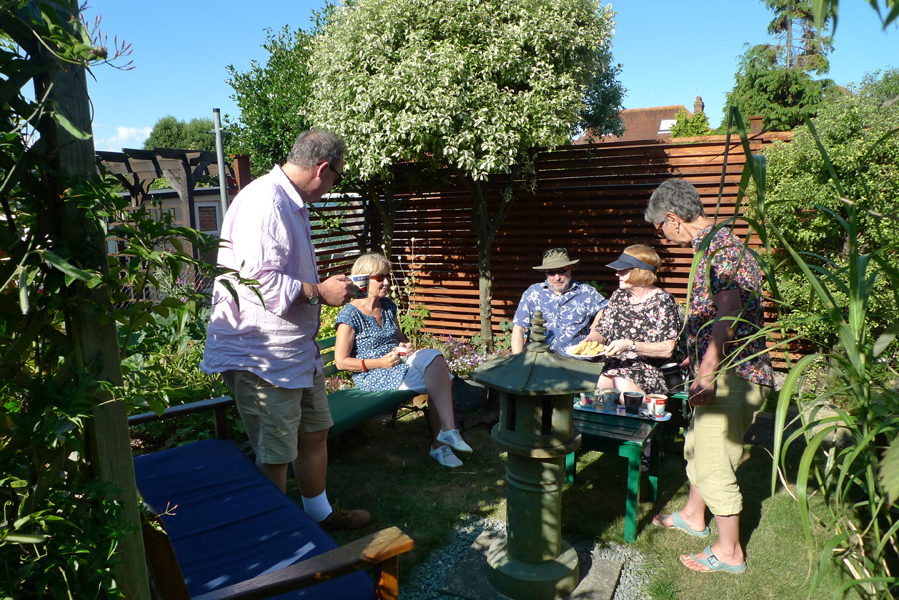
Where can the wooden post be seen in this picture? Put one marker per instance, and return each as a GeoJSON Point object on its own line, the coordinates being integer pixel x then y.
{"type": "Point", "coordinates": [109, 443]}
{"type": "Point", "coordinates": [242, 170]}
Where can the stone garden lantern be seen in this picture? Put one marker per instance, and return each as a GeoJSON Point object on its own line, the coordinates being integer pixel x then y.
{"type": "Point", "coordinates": [535, 428]}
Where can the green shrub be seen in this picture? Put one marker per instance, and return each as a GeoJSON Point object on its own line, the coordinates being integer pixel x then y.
{"type": "Point", "coordinates": [329, 322]}
{"type": "Point", "coordinates": [855, 132]}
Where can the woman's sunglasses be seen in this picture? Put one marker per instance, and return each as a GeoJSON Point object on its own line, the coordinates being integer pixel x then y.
{"type": "Point", "coordinates": [659, 231]}
{"type": "Point", "coordinates": [379, 277]}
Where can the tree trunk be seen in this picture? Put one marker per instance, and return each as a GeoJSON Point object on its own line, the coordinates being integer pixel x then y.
{"type": "Point", "coordinates": [485, 234]}
{"type": "Point", "coordinates": [485, 291]}
{"type": "Point", "coordinates": [486, 226]}
{"type": "Point", "coordinates": [380, 203]}
{"type": "Point", "coordinates": [387, 209]}
{"type": "Point", "coordinates": [789, 36]}
{"type": "Point", "coordinates": [109, 443]}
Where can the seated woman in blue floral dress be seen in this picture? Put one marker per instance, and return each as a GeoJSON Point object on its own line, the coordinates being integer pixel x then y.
{"type": "Point", "coordinates": [639, 327]}
{"type": "Point", "coordinates": [369, 343]}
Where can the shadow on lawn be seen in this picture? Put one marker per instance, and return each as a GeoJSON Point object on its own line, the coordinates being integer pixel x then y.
{"type": "Point", "coordinates": [595, 505]}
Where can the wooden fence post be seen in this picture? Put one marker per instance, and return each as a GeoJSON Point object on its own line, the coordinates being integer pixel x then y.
{"type": "Point", "coordinates": [108, 437]}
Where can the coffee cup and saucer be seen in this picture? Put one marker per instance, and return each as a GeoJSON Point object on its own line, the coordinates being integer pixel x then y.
{"type": "Point", "coordinates": [655, 407]}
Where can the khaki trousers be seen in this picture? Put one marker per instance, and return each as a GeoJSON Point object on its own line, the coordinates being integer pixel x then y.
{"type": "Point", "coordinates": [713, 445]}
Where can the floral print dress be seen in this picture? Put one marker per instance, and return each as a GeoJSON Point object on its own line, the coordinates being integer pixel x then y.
{"type": "Point", "coordinates": [732, 268]}
{"type": "Point", "coordinates": [653, 320]}
{"type": "Point", "coordinates": [374, 341]}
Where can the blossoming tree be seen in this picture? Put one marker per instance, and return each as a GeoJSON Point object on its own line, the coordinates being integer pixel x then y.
{"type": "Point", "coordinates": [471, 86]}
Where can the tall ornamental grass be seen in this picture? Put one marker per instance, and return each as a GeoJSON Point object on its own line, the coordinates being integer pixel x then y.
{"type": "Point", "coordinates": [859, 524]}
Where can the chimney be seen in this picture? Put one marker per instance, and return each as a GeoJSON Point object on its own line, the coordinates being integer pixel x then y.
{"type": "Point", "coordinates": [698, 105]}
{"type": "Point", "coordinates": [756, 124]}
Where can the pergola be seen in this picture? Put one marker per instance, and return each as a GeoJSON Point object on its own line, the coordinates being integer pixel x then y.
{"type": "Point", "coordinates": [137, 169]}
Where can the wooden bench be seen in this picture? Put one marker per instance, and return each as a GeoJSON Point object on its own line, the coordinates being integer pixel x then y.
{"type": "Point", "coordinates": [231, 533]}
{"type": "Point", "coordinates": [352, 406]}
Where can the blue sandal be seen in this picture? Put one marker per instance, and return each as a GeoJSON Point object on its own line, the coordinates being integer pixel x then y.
{"type": "Point", "coordinates": [713, 564]}
{"type": "Point", "coordinates": [677, 522]}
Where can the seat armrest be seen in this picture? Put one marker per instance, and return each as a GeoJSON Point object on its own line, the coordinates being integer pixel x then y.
{"type": "Point", "coordinates": [218, 405]}
{"type": "Point", "coordinates": [383, 546]}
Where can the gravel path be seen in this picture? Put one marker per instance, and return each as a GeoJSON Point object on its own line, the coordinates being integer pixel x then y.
{"type": "Point", "coordinates": [428, 577]}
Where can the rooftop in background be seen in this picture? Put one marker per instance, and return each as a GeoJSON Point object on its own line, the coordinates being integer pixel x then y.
{"type": "Point", "coordinates": [645, 124]}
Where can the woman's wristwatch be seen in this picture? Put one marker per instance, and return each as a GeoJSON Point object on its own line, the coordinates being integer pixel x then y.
{"type": "Point", "coordinates": [633, 346]}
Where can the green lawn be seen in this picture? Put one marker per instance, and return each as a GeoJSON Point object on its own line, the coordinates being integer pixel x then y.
{"type": "Point", "coordinates": [389, 472]}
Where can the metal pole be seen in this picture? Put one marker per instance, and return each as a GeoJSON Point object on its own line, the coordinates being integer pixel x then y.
{"type": "Point", "coordinates": [220, 155]}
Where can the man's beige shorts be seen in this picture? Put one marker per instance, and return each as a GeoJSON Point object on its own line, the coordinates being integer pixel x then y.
{"type": "Point", "coordinates": [274, 416]}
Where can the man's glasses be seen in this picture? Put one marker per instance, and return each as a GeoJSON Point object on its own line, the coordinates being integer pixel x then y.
{"type": "Point", "coordinates": [379, 277]}
{"type": "Point", "coordinates": [336, 172]}
{"type": "Point", "coordinates": [557, 272]}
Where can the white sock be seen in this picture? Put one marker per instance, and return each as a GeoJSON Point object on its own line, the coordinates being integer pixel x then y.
{"type": "Point", "coordinates": [317, 508]}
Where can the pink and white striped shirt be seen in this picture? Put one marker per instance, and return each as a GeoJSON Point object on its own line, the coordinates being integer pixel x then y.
{"type": "Point", "coordinates": [267, 237]}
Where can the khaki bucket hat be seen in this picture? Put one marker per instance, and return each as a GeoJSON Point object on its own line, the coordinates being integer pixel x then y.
{"type": "Point", "coordinates": [556, 258]}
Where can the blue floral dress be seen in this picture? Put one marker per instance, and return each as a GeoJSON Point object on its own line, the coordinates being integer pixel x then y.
{"type": "Point", "coordinates": [374, 341]}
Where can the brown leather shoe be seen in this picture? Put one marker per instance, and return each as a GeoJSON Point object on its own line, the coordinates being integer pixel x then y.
{"type": "Point", "coordinates": [341, 518]}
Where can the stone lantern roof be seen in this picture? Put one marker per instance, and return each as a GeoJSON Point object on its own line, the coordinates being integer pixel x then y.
{"type": "Point", "coordinates": [537, 371]}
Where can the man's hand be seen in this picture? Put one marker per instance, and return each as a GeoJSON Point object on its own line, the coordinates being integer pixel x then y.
{"type": "Point", "coordinates": [595, 336]}
{"type": "Point", "coordinates": [337, 290]}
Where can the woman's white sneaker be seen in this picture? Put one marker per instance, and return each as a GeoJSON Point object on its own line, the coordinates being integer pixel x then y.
{"type": "Point", "coordinates": [453, 439]}
{"type": "Point", "coordinates": [444, 455]}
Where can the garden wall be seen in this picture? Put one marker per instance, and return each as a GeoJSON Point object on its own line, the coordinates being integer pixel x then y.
{"type": "Point", "coordinates": [590, 199]}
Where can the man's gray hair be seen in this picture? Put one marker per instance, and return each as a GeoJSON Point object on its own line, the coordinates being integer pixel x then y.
{"type": "Point", "coordinates": [674, 196]}
{"type": "Point", "coordinates": [315, 146]}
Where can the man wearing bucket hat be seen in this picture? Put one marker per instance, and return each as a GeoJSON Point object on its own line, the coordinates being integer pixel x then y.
{"type": "Point", "coordinates": [568, 306]}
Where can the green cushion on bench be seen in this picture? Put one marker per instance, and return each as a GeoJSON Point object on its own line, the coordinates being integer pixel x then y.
{"type": "Point", "coordinates": [353, 406]}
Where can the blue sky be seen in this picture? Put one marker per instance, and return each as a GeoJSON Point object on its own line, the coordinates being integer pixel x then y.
{"type": "Point", "coordinates": [670, 52]}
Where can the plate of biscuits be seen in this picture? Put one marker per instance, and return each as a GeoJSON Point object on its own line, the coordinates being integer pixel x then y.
{"type": "Point", "coordinates": [585, 350]}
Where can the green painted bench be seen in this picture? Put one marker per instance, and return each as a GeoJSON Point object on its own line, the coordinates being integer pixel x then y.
{"type": "Point", "coordinates": [349, 407]}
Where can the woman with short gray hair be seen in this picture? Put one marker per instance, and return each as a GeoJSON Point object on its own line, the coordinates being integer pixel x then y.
{"type": "Point", "coordinates": [731, 372]}
{"type": "Point", "coordinates": [675, 196]}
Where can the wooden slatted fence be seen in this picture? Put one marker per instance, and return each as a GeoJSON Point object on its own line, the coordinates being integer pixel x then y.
{"type": "Point", "coordinates": [590, 199]}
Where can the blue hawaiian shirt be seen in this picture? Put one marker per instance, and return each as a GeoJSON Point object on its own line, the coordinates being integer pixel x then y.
{"type": "Point", "coordinates": [374, 341]}
{"type": "Point", "coordinates": [568, 315]}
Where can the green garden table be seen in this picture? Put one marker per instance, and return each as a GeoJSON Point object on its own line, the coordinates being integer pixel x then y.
{"type": "Point", "coordinates": [628, 435]}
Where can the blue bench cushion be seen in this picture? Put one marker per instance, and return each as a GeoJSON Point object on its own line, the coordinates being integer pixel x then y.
{"type": "Point", "coordinates": [230, 523]}
{"type": "Point", "coordinates": [353, 406]}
